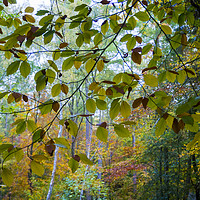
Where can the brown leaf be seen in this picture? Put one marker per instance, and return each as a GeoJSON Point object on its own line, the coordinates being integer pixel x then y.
{"type": "Point", "coordinates": [136, 57]}
{"type": "Point", "coordinates": [137, 102]}
{"type": "Point", "coordinates": [184, 40]}
{"type": "Point", "coordinates": [50, 147]}
{"type": "Point", "coordinates": [173, 72]}
{"type": "Point", "coordinates": [84, 115]}
{"type": "Point", "coordinates": [5, 2]}
{"type": "Point", "coordinates": [165, 116]}
{"type": "Point", "coordinates": [138, 39]}
{"type": "Point", "coordinates": [181, 124]}
{"type": "Point", "coordinates": [109, 92]}
{"type": "Point", "coordinates": [34, 29]}
{"type": "Point", "coordinates": [137, 49]}
{"type": "Point", "coordinates": [77, 158]}
{"type": "Point", "coordinates": [104, 2]}
{"type": "Point", "coordinates": [63, 45]}
{"type": "Point", "coordinates": [103, 124]}
{"type": "Point", "coordinates": [175, 126]}
{"type": "Point", "coordinates": [63, 17]}
{"type": "Point", "coordinates": [58, 34]}
{"type": "Point", "coordinates": [21, 39]}
{"type": "Point", "coordinates": [189, 71]}
{"type": "Point", "coordinates": [16, 95]}
{"type": "Point", "coordinates": [145, 102]}
{"type": "Point", "coordinates": [55, 106]}
{"type": "Point", "coordinates": [64, 89]}
{"type": "Point", "coordinates": [135, 76]}
{"type": "Point", "coordinates": [120, 90]}
{"type": "Point", "coordinates": [145, 3]}
{"type": "Point", "coordinates": [1, 32]}
{"type": "Point", "coordinates": [147, 69]}
{"type": "Point", "coordinates": [108, 82]}
{"type": "Point", "coordinates": [25, 98]}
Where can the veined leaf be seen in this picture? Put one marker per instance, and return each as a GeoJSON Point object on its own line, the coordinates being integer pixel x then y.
{"type": "Point", "coordinates": [73, 164]}
{"type": "Point", "coordinates": [7, 177]}
{"type": "Point", "coordinates": [102, 134]}
{"type": "Point", "coordinates": [142, 16]}
{"type": "Point", "coordinates": [73, 128]}
{"type": "Point", "coordinates": [122, 131]}
{"type": "Point", "coordinates": [114, 109]}
{"type": "Point", "coordinates": [85, 159]}
{"type": "Point", "coordinates": [150, 80]}
{"type": "Point", "coordinates": [101, 104]}
{"type": "Point", "coordinates": [55, 90]}
{"type": "Point", "coordinates": [125, 109]}
{"type": "Point", "coordinates": [37, 168]}
{"type": "Point", "coordinates": [160, 127]}
{"type": "Point", "coordinates": [25, 69]}
{"type": "Point", "coordinates": [12, 68]}
{"type": "Point", "coordinates": [91, 105]}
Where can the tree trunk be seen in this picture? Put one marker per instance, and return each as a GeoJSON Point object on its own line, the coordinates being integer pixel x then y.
{"type": "Point", "coordinates": [55, 161]}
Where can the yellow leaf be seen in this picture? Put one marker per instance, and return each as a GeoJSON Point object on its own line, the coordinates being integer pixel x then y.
{"type": "Point", "coordinates": [77, 64]}
{"type": "Point", "coordinates": [7, 177]}
{"type": "Point", "coordinates": [89, 65]}
{"type": "Point", "coordinates": [29, 9]}
{"type": "Point", "coordinates": [167, 29]}
{"type": "Point", "coordinates": [100, 65]}
{"type": "Point", "coordinates": [150, 80]}
{"type": "Point", "coordinates": [125, 109]}
{"type": "Point", "coordinates": [30, 18]}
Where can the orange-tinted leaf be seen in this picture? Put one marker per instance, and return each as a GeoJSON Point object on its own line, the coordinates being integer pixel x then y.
{"type": "Point", "coordinates": [64, 88]}
{"type": "Point", "coordinates": [147, 69]}
{"type": "Point", "coordinates": [25, 98]}
{"type": "Point", "coordinates": [175, 126]}
{"type": "Point", "coordinates": [145, 102]}
{"type": "Point", "coordinates": [103, 124]}
{"type": "Point", "coordinates": [77, 158]}
{"type": "Point", "coordinates": [138, 39]}
{"type": "Point", "coordinates": [50, 147]}
{"type": "Point", "coordinates": [137, 102]}
{"type": "Point", "coordinates": [136, 57]}
{"type": "Point", "coordinates": [63, 45]}
{"type": "Point", "coordinates": [55, 106]}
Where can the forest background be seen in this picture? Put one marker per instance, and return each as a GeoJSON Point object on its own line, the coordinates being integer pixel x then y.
{"type": "Point", "coordinates": [100, 100]}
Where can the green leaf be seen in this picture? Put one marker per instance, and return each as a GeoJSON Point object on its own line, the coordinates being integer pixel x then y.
{"type": "Point", "coordinates": [62, 142]}
{"type": "Point", "coordinates": [160, 127]}
{"type": "Point", "coordinates": [97, 39]}
{"type": "Point", "coordinates": [48, 36]}
{"type": "Point", "coordinates": [132, 22]}
{"type": "Point", "coordinates": [171, 77]}
{"type": "Point", "coordinates": [46, 107]}
{"type": "Point", "coordinates": [150, 80]}
{"type": "Point", "coordinates": [101, 104]}
{"type": "Point", "coordinates": [38, 135]}
{"type": "Point", "coordinates": [89, 65]}
{"type": "Point", "coordinates": [142, 16]}
{"type": "Point", "coordinates": [29, 9]}
{"type": "Point", "coordinates": [7, 177]}
{"type": "Point", "coordinates": [3, 94]}
{"type": "Point", "coordinates": [39, 157]}
{"type": "Point", "coordinates": [68, 63]}
{"type": "Point", "coordinates": [46, 20]}
{"type": "Point", "coordinates": [41, 83]}
{"type": "Point", "coordinates": [176, 40]}
{"type": "Point", "coordinates": [125, 37]}
{"type": "Point", "coordinates": [102, 134]}
{"type": "Point", "coordinates": [37, 168]}
{"type": "Point", "coordinates": [131, 43]}
{"type": "Point", "coordinates": [188, 120]}
{"type": "Point", "coordinates": [85, 159]}
{"type": "Point", "coordinates": [50, 74]}
{"type": "Point", "coordinates": [104, 27]}
{"type": "Point", "coordinates": [31, 125]}
{"type": "Point", "coordinates": [91, 105]}
{"type": "Point", "coordinates": [114, 109]}
{"type": "Point", "coordinates": [12, 68]}
{"type": "Point", "coordinates": [41, 12]}
{"type": "Point", "coordinates": [121, 131]}
{"type": "Point", "coordinates": [73, 128]}
{"type": "Point", "coordinates": [166, 29]}
{"type": "Point", "coordinates": [79, 40]}
{"type": "Point", "coordinates": [55, 90]}
{"type": "Point", "coordinates": [181, 76]}
{"type": "Point", "coordinates": [4, 147]}
{"type": "Point", "coordinates": [19, 154]}
{"type": "Point", "coordinates": [25, 69]}
{"type": "Point", "coordinates": [21, 127]}
{"type": "Point", "coordinates": [125, 109]}
{"type": "Point", "coordinates": [53, 65]}
{"type": "Point", "coordinates": [73, 164]}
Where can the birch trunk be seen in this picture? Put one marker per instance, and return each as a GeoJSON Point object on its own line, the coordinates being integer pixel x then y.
{"type": "Point", "coordinates": [55, 161]}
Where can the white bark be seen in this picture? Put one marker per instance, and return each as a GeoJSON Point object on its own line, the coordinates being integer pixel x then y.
{"type": "Point", "coordinates": [55, 161]}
